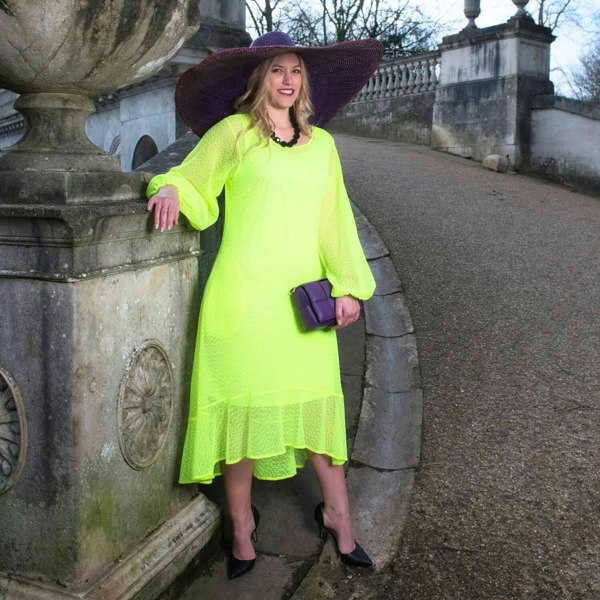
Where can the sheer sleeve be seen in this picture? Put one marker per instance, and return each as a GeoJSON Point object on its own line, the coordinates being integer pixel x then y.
{"type": "Point", "coordinates": [200, 178]}
{"type": "Point", "coordinates": [339, 247]}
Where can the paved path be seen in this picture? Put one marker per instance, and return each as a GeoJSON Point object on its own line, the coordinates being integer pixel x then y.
{"type": "Point", "coordinates": [502, 278]}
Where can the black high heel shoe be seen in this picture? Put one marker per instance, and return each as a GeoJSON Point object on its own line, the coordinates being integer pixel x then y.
{"type": "Point", "coordinates": [237, 567]}
{"type": "Point", "coordinates": [357, 558]}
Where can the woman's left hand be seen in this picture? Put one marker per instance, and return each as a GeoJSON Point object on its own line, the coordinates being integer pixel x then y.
{"type": "Point", "coordinates": [347, 310]}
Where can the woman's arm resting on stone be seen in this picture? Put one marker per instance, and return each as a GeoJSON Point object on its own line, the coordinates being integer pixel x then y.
{"type": "Point", "coordinates": [166, 207]}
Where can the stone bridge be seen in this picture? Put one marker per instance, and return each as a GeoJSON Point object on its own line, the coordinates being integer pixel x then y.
{"type": "Point", "coordinates": [484, 92]}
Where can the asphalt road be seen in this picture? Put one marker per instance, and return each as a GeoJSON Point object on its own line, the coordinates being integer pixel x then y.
{"type": "Point", "coordinates": [502, 277]}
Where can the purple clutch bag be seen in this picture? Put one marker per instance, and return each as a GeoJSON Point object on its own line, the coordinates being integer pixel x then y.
{"type": "Point", "coordinates": [314, 305]}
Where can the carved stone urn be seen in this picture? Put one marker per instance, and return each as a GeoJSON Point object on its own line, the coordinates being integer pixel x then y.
{"type": "Point", "coordinates": [59, 54]}
{"type": "Point", "coordinates": [472, 11]}
{"type": "Point", "coordinates": [521, 12]}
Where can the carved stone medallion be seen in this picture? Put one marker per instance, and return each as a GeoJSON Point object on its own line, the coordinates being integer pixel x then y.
{"type": "Point", "coordinates": [13, 432]}
{"type": "Point", "coordinates": [145, 405]}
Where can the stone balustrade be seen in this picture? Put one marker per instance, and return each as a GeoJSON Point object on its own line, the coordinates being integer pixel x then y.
{"type": "Point", "coordinates": [412, 75]}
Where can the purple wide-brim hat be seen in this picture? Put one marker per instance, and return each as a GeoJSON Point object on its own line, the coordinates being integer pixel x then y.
{"type": "Point", "coordinates": [206, 93]}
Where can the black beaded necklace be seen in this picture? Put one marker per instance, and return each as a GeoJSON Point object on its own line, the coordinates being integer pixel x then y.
{"type": "Point", "coordinates": [293, 141]}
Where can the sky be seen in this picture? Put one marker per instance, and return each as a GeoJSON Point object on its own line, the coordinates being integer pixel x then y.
{"type": "Point", "coordinates": [570, 41]}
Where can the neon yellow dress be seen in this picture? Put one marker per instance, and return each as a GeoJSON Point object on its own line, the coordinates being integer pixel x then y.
{"type": "Point", "coordinates": [262, 387]}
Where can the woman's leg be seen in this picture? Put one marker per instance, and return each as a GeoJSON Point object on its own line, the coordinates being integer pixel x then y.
{"type": "Point", "coordinates": [238, 484]}
{"type": "Point", "coordinates": [336, 508]}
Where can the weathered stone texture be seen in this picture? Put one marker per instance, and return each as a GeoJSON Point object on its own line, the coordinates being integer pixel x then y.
{"type": "Point", "coordinates": [392, 363]}
{"type": "Point", "coordinates": [401, 119]}
{"type": "Point", "coordinates": [488, 77]}
{"type": "Point", "coordinates": [170, 156]}
{"type": "Point", "coordinates": [495, 162]}
{"type": "Point", "coordinates": [380, 497]}
{"type": "Point", "coordinates": [370, 240]}
{"type": "Point", "coordinates": [389, 432]}
{"type": "Point", "coordinates": [475, 119]}
{"type": "Point", "coordinates": [13, 432]}
{"type": "Point", "coordinates": [123, 42]}
{"type": "Point", "coordinates": [41, 508]}
{"type": "Point", "coordinates": [566, 141]}
{"type": "Point", "coordinates": [69, 355]}
{"type": "Point", "coordinates": [388, 316]}
{"type": "Point", "coordinates": [385, 276]}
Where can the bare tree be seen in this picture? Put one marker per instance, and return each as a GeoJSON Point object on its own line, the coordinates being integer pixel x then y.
{"type": "Point", "coordinates": [586, 78]}
{"type": "Point", "coordinates": [401, 28]}
{"type": "Point", "coordinates": [264, 14]}
{"type": "Point", "coordinates": [326, 21]}
{"type": "Point", "coordinates": [552, 13]}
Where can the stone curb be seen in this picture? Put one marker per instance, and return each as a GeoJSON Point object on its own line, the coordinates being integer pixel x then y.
{"type": "Point", "coordinates": [387, 444]}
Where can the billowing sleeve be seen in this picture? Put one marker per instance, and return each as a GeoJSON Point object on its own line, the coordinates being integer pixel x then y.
{"type": "Point", "coordinates": [339, 247]}
{"type": "Point", "coordinates": [200, 178]}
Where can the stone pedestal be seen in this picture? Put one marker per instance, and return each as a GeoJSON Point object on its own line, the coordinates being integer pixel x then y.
{"type": "Point", "coordinates": [488, 79]}
{"type": "Point", "coordinates": [98, 324]}
{"type": "Point", "coordinates": [98, 320]}
{"type": "Point", "coordinates": [222, 25]}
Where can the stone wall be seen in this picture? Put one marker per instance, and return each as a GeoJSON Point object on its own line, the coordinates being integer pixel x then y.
{"type": "Point", "coordinates": [565, 145]}
{"type": "Point", "coordinates": [492, 116]}
{"type": "Point", "coordinates": [401, 119]}
{"type": "Point", "coordinates": [487, 81]}
{"type": "Point", "coordinates": [151, 114]}
{"type": "Point", "coordinates": [103, 127]}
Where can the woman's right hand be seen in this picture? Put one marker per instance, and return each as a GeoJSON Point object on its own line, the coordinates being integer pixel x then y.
{"type": "Point", "coordinates": [166, 207]}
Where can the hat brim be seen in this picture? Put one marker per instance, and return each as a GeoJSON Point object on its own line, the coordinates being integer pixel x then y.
{"type": "Point", "coordinates": [205, 93]}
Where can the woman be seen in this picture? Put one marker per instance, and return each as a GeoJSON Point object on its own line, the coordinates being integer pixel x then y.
{"type": "Point", "coordinates": [265, 394]}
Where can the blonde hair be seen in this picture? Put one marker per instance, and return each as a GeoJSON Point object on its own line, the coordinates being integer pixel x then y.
{"type": "Point", "coordinates": [253, 101]}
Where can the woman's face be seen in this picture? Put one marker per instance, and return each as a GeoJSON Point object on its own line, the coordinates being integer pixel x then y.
{"type": "Point", "coordinates": [284, 80]}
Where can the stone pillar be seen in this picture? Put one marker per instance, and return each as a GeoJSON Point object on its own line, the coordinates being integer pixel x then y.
{"type": "Point", "coordinates": [488, 80]}
{"type": "Point", "coordinates": [222, 25]}
{"type": "Point", "coordinates": [97, 323]}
